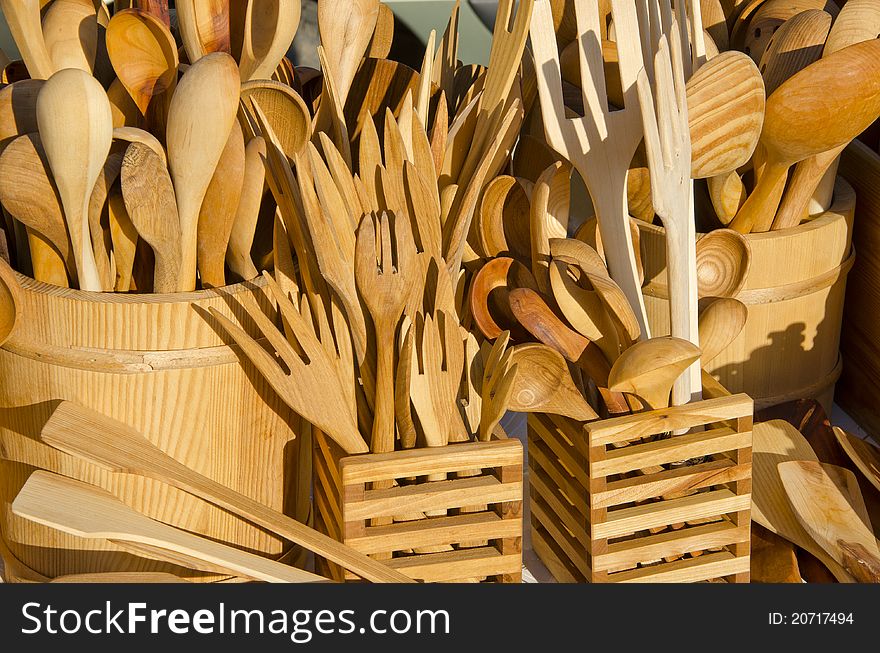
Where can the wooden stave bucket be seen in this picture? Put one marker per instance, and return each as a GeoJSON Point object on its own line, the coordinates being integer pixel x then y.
{"type": "Point", "coordinates": [811, 288]}
{"type": "Point", "coordinates": [141, 354]}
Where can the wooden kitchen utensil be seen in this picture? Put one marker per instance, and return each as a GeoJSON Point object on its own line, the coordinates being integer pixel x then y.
{"type": "Point", "coordinates": [499, 374]}
{"type": "Point", "coordinates": [859, 20]}
{"type": "Point", "coordinates": [551, 204]}
{"type": "Point", "coordinates": [650, 368]}
{"type": "Point", "coordinates": [723, 261]}
{"type": "Point", "coordinates": [124, 237]}
{"type": "Point", "coordinates": [727, 193]}
{"type": "Point", "coordinates": [346, 30]}
{"type": "Point", "coordinates": [149, 200]}
{"type": "Point", "coordinates": [18, 108]}
{"type": "Point", "coordinates": [29, 194]}
{"type": "Point", "coordinates": [10, 301]}
{"type": "Point", "coordinates": [23, 19]}
{"type": "Point", "coordinates": [852, 77]}
{"type": "Point", "coordinates": [295, 384]}
{"type": "Point", "coordinates": [218, 210]}
{"type": "Point", "coordinates": [120, 577]}
{"type": "Point", "coordinates": [204, 27]}
{"type": "Point", "coordinates": [76, 145]}
{"type": "Point", "coordinates": [796, 44]}
{"type": "Point", "coordinates": [144, 56]}
{"type": "Point", "coordinates": [116, 447]}
{"type": "Point", "coordinates": [70, 30]}
{"type": "Point", "coordinates": [489, 290]}
{"type": "Point", "coordinates": [386, 276]}
{"type": "Point", "coordinates": [88, 511]}
{"type": "Point", "coordinates": [775, 442]}
{"type": "Point", "coordinates": [865, 455]}
{"type": "Point", "coordinates": [725, 108]}
{"type": "Point", "coordinates": [601, 145]}
{"type": "Point", "coordinates": [768, 19]}
{"type": "Point", "coordinates": [241, 240]}
{"type": "Point", "coordinates": [285, 111]}
{"type": "Point", "coordinates": [268, 32]}
{"type": "Point", "coordinates": [826, 514]}
{"type": "Point", "coordinates": [543, 384]}
{"type": "Point", "coordinates": [200, 119]}
{"type": "Point", "coordinates": [721, 321]}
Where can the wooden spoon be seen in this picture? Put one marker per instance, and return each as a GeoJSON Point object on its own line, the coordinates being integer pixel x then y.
{"type": "Point", "coordinates": [23, 19]}
{"type": "Point", "coordinates": [218, 210]}
{"type": "Point", "coordinates": [124, 237]}
{"type": "Point", "coordinates": [724, 259]}
{"type": "Point", "coordinates": [826, 514]}
{"type": "Point", "coordinates": [241, 240]}
{"type": "Point", "coordinates": [149, 199]}
{"type": "Point", "coordinates": [346, 30]}
{"type": "Point", "coordinates": [794, 46]}
{"type": "Point", "coordinates": [721, 322]}
{"type": "Point", "coordinates": [775, 442]}
{"type": "Point", "coordinates": [18, 109]}
{"type": "Point", "coordinates": [383, 35]}
{"type": "Point", "coordinates": [543, 384]}
{"type": "Point", "coordinates": [715, 22]}
{"type": "Point", "coordinates": [728, 194]}
{"type": "Point", "coordinates": [269, 29]}
{"type": "Point", "coordinates": [70, 29]}
{"type": "Point", "coordinates": [29, 194]}
{"type": "Point", "coordinates": [864, 454]}
{"type": "Point", "coordinates": [10, 301]}
{"type": "Point", "coordinates": [144, 56]}
{"type": "Point", "coordinates": [725, 100]}
{"type": "Point", "coordinates": [852, 78]}
{"type": "Point", "coordinates": [204, 27]}
{"type": "Point", "coordinates": [551, 204]}
{"type": "Point", "coordinates": [285, 111]}
{"type": "Point", "coordinates": [859, 20]}
{"type": "Point", "coordinates": [200, 120]}
{"type": "Point", "coordinates": [135, 135]}
{"type": "Point", "coordinates": [650, 368]}
{"type": "Point", "coordinates": [76, 145]}
{"type": "Point", "coordinates": [118, 448]}
{"type": "Point", "coordinates": [88, 511]}
{"type": "Point", "coordinates": [770, 16]}
{"type": "Point", "coordinates": [489, 290]}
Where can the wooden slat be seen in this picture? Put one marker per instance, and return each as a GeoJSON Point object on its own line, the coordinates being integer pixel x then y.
{"type": "Point", "coordinates": [682, 479]}
{"type": "Point", "coordinates": [425, 461]}
{"type": "Point", "coordinates": [670, 450]}
{"type": "Point", "coordinates": [572, 431]}
{"type": "Point", "coordinates": [452, 565]}
{"type": "Point", "coordinates": [640, 425]}
{"type": "Point", "coordinates": [434, 531]}
{"type": "Point", "coordinates": [456, 493]}
{"type": "Point", "coordinates": [673, 511]}
{"type": "Point", "coordinates": [574, 463]}
{"type": "Point", "coordinates": [688, 570]}
{"type": "Point", "coordinates": [325, 454]}
{"type": "Point", "coordinates": [670, 543]}
{"type": "Point", "coordinates": [542, 485]}
{"type": "Point", "coordinates": [328, 495]}
{"type": "Point", "coordinates": [573, 549]}
{"type": "Point", "coordinates": [541, 456]}
{"type": "Point", "coordinates": [556, 562]}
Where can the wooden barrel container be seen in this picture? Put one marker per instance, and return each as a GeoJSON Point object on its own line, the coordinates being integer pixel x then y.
{"type": "Point", "coordinates": [789, 348]}
{"type": "Point", "coordinates": [161, 364]}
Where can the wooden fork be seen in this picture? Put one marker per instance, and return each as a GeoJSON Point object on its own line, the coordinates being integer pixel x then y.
{"type": "Point", "coordinates": [600, 145]}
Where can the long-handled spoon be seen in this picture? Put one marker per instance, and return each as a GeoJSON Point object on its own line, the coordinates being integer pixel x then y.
{"type": "Point", "coordinates": [269, 29]}
{"type": "Point", "coordinates": [204, 27]}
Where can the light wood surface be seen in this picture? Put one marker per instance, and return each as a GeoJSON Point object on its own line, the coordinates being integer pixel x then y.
{"type": "Point", "coordinates": [728, 194]}
{"type": "Point", "coordinates": [196, 140]}
{"type": "Point", "coordinates": [204, 27]}
{"type": "Point", "coordinates": [241, 239]}
{"type": "Point", "coordinates": [759, 21]}
{"type": "Point", "coordinates": [285, 111]}
{"type": "Point", "coordinates": [18, 108]}
{"type": "Point", "coordinates": [9, 302]}
{"type": "Point", "coordinates": [543, 384]}
{"type": "Point", "coordinates": [346, 30]}
{"type": "Point", "coordinates": [650, 368]}
{"type": "Point", "coordinates": [76, 145]}
{"type": "Point", "coordinates": [826, 514]}
{"type": "Point", "coordinates": [149, 200]}
{"type": "Point", "coordinates": [864, 454]}
{"type": "Point", "coordinates": [70, 29]}
{"type": "Point", "coordinates": [797, 43]}
{"type": "Point", "coordinates": [269, 30]}
{"type": "Point", "coordinates": [88, 511]}
{"type": "Point", "coordinates": [23, 19]}
{"type": "Point", "coordinates": [724, 260]}
{"type": "Point", "coordinates": [721, 322]}
{"type": "Point", "coordinates": [124, 237]}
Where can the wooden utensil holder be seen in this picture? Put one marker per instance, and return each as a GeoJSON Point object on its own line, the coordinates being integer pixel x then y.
{"type": "Point", "coordinates": [623, 500]}
{"type": "Point", "coordinates": [481, 544]}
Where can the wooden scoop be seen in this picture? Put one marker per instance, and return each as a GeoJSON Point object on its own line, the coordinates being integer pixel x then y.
{"type": "Point", "coordinates": [70, 29]}
{"type": "Point", "coordinates": [795, 45]}
{"type": "Point", "coordinates": [144, 56]}
{"type": "Point", "coordinates": [91, 512]}
{"type": "Point", "coordinates": [543, 384]}
{"type": "Point", "coordinates": [269, 30]}
{"type": "Point", "coordinates": [725, 101]}
{"type": "Point", "coordinates": [202, 112]}
{"type": "Point", "coordinates": [650, 368]}
{"type": "Point", "coordinates": [775, 442]}
{"type": "Point", "coordinates": [285, 111]}
{"type": "Point", "coordinates": [723, 262]}
{"type": "Point", "coordinates": [10, 301]}
{"type": "Point", "coordinates": [23, 19]}
{"type": "Point", "coordinates": [826, 514]}
{"type": "Point", "coordinates": [29, 194]}
{"type": "Point", "coordinates": [864, 455]}
{"type": "Point", "coordinates": [721, 322]}
{"type": "Point", "coordinates": [118, 448]}
{"type": "Point", "coordinates": [149, 200]}
{"type": "Point", "coordinates": [76, 144]}
{"type": "Point", "coordinates": [799, 123]}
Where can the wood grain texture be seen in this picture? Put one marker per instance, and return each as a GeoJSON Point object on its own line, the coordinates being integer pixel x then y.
{"type": "Point", "coordinates": [795, 45]}
{"type": "Point", "coordinates": [23, 18]}
{"type": "Point", "coordinates": [268, 33]}
{"type": "Point", "coordinates": [70, 29]}
{"type": "Point", "coordinates": [794, 293]}
{"type": "Point", "coordinates": [203, 407]}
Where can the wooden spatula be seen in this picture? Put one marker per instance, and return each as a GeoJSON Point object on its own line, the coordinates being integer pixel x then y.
{"type": "Point", "coordinates": [865, 455]}
{"type": "Point", "coordinates": [826, 514]}
{"type": "Point", "coordinates": [91, 512]}
{"type": "Point", "coordinates": [116, 447]}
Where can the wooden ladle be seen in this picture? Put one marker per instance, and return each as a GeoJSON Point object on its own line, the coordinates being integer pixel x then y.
{"type": "Point", "coordinates": [799, 123]}
{"type": "Point", "coordinates": [543, 384]}
{"type": "Point", "coordinates": [269, 29]}
{"type": "Point", "coordinates": [650, 368]}
{"type": "Point", "coordinates": [721, 321]}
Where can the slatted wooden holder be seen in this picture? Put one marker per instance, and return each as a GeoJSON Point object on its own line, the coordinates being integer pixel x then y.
{"type": "Point", "coordinates": [485, 544]}
{"type": "Point", "coordinates": [611, 502]}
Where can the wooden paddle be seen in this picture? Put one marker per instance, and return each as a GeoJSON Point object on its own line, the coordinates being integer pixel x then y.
{"type": "Point", "coordinates": [91, 512]}
{"type": "Point", "coordinates": [721, 322]}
